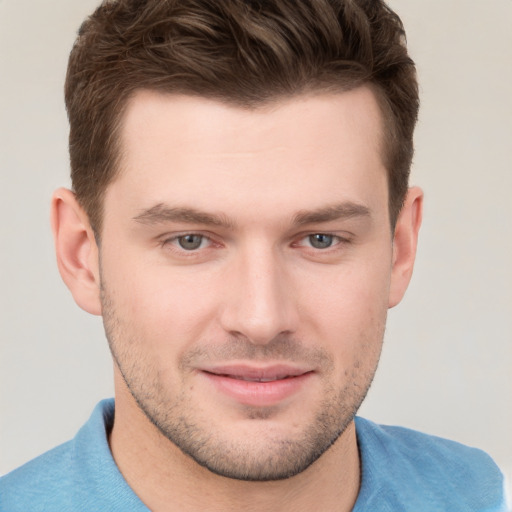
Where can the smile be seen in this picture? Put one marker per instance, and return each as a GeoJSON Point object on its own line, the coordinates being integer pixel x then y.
{"type": "Point", "coordinates": [259, 387]}
{"type": "Point", "coordinates": [261, 379]}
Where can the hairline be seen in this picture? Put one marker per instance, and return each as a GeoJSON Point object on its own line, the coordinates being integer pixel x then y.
{"type": "Point", "coordinates": [387, 132]}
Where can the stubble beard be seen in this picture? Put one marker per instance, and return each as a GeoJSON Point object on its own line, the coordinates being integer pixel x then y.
{"type": "Point", "coordinates": [270, 457]}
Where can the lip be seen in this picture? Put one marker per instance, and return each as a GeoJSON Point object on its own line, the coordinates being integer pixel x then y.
{"type": "Point", "coordinates": [257, 386]}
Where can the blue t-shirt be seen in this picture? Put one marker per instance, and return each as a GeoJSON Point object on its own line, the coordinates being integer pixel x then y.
{"type": "Point", "coordinates": [402, 470]}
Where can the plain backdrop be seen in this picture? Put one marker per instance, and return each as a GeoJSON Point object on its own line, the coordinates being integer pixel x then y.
{"type": "Point", "coordinates": [447, 362]}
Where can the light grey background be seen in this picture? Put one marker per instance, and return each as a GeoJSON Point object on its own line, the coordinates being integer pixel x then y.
{"type": "Point", "coordinates": [447, 363]}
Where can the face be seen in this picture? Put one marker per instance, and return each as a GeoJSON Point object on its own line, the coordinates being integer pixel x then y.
{"type": "Point", "coordinates": [246, 258]}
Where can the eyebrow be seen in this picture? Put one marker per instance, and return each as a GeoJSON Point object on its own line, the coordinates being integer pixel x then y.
{"type": "Point", "coordinates": [346, 210]}
{"type": "Point", "coordinates": [162, 213]}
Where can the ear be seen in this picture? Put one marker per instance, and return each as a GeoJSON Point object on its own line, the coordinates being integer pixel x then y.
{"type": "Point", "coordinates": [76, 249]}
{"type": "Point", "coordinates": [405, 241]}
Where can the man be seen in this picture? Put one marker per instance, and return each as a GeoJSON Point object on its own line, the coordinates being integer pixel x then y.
{"type": "Point", "coordinates": [241, 219]}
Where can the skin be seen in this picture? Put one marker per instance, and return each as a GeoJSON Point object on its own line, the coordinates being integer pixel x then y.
{"type": "Point", "coordinates": [256, 187]}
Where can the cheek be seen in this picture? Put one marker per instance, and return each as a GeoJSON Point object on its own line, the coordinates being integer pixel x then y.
{"type": "Point", "coordinates": [350, 313]}
{"type": "Point", "coordinates": [158, 303]}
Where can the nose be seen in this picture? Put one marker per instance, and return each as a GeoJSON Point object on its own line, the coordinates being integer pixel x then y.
{"type": "Point", "coordinates": [260, 302]}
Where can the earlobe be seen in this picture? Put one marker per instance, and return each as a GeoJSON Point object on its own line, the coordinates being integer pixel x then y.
{"type": "Point", "coordinates": [405, 241]}
{"type": "Point", "coordinates": [76, 250]}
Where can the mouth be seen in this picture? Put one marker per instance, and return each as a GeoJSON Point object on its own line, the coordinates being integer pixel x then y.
{"type": "Point", "coordinates": [255, 379]}
{"type": "Point", "coordinates": [258, 386]}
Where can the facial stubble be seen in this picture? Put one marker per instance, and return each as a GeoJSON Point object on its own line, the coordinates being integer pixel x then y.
{"type": "Point", "coordinates": [267, 456]}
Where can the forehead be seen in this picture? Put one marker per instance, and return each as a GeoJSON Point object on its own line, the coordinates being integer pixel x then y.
{"type": "Point", "coordinates": [296, 150]}
{"type": "Point", "coordinates": [210, 120]}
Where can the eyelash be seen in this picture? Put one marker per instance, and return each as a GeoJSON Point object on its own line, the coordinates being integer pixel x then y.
{"type": "Point", "coordinates": [336, 241]}
{"type": "Point", "coordinates": [173, 242]}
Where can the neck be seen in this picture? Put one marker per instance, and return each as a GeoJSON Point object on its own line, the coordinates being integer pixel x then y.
{"type": "Point", "coordinates": [165, 479]}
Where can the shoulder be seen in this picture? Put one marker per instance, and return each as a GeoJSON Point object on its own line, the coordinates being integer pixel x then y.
{"type": "Point", "coordinates": [78, 475]}
{"type": "Point", "coordinates": [42, 481]}
{"type": "Point", "coordinates": [405, 466]}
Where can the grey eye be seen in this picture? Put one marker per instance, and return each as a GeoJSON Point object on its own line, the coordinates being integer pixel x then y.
{"type": "Point", "coordinates": [320, 241]}
{"type": "Point", "coordinates": [190, 242]}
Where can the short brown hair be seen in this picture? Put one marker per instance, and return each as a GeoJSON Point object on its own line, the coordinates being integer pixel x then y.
{"type": "Point", "coordinates": [243, 52]}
